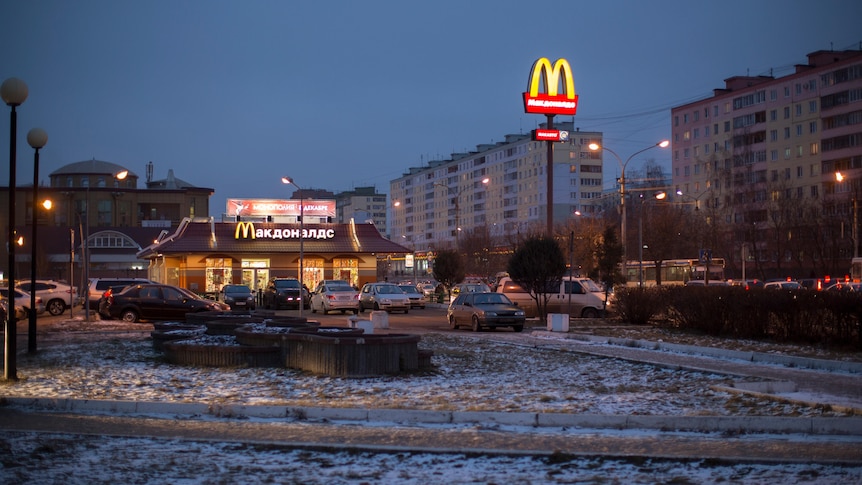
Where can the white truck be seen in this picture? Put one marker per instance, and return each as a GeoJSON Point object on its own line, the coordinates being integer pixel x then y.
{"type": "Point", "coordinates": [576, 296]}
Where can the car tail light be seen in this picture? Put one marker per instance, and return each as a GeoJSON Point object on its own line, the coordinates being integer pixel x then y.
{"type": "Point", "coordinates": [330, 297]}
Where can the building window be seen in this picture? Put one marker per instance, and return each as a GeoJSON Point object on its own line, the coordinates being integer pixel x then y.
{"type": "Point", "coordinates": [812, 127]}
{"type": "Point", "coordinates": [812, 106]}
{"type": "Point", "coordinates": [798, 109]}
{"type": "Point", "coordinates": [786, 132]}
{"type": "Point", "coordinates": [787, 112]}
{"type": "Point", "coordinates": [815, 148]}
{"type": "Point", "coordinates": [773, 155]}
{"type": "Point", "coordinates": [798, 130]}
{"type": "Point", "coordinates": [773, 135]}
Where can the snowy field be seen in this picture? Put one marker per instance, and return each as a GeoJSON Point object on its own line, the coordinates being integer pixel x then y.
{"type": "Point", "coordinates": [469, 375]}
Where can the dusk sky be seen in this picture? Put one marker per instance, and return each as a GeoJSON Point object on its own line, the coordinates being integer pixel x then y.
{"type": "Point", "coordinates": [232, 95]}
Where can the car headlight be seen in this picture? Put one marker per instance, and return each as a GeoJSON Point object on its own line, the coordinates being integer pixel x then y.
{"type": "Point", "coordinates": [490, 314]}
{"type": "Point", "coordinates": [386, 300]}
{"type": "Point", "coordinates": [520, 313]}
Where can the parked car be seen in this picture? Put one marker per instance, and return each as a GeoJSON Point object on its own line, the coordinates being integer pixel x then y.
{"type": "Point", "coordinates": [485, 309]}
{"type": "Point", "coordinates": [22, 300]}
{"type": "Point", "coordinates": [154, 301]}
{"type": "Point", "coordinates": [747, 284]}
{"type": "Point", "coordinates": [417, 299]}
{"type": "Point", "coordinates": [383, 296]}
{"type": "Point", "coordinates": [334, 295]}
{"type": "Point", "coordinates": [470, 288]}
{"type": "Point", "coordinates": [57, 296]}
{"type": "Point", "coordinates": [285, 292]}
{"type": "Point", "coordinates": [98, 286]}
{"type": "Point", "coordinates": [842, 286]}
{"type": "Point", "coordinates": [20, 314]}
{"type": "Point", "coordinates": [426, 289]}
{"type": "Point", "coordinates": [783, 285]}
{"type": "Point", "coordinates": [238, 297]}
{"type": "Point", "coordinates": [570, 296]}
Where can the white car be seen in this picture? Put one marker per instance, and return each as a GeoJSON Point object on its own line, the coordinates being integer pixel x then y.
{"type": "Point", "coordinates": [383, 296]}
{"type": "Point", "coordinates": [22, 299]}
{"type": "Point", "coordinates": [57, 296]}
{"type": "Point", "coordinates": [334, 295]}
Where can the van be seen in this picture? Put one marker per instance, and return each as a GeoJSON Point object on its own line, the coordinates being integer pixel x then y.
{"type": "Point", "coordinates": [575, 296]}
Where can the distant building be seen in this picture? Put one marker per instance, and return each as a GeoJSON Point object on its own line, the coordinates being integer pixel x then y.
{"type": "Point", "coordinates": [115, 217]}
{"type": "Point", "coordinates": [362, 204]}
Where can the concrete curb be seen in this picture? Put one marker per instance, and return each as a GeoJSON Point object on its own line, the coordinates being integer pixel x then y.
{"type": "Point", "coordinates": [844, 426]}
{"type": "Point", "coordinates": [757, 357]}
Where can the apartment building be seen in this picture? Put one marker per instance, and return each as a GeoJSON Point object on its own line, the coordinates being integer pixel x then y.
{"type": "Point", "coordinates": [362, 204]}
{"type": "Point", "coordinates": [501, 187]}
{"type": "Point", "coordinates": [764, 150]}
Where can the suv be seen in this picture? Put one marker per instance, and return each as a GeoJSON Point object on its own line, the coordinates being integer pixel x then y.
{"type": "Point", "coordinates": [284, 292]}
{"type": "Point", "coordinates": [57, 296]}
{"type": "Point", "coordinates": [98, 286]}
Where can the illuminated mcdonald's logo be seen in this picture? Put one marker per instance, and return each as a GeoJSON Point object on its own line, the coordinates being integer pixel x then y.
{"type": "Point", "coordinates": [244, 230]}
{"type": "Point", "coordinates": [551, 101]}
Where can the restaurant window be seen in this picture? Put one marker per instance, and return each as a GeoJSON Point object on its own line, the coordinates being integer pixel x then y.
{"type": "Point", "coordinates": [218, 273]}
{"type": "Point", "coordinates": [346, 269]}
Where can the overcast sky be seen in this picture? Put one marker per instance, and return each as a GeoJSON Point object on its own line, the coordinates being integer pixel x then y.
{"type": "Point", "coordinates": [232, 95]}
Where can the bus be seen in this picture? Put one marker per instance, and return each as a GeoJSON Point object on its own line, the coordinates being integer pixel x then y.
{"type": "Point", "coordinates": [673, 271]}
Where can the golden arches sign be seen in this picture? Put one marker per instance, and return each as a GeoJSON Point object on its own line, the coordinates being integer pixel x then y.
{"type": "Point", "coordinates": [551, 101]}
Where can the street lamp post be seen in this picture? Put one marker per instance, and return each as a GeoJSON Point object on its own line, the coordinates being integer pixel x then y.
{"type": "Point", "coordinates": [658, 196]}
{"type": "Point", "coordinates": [289, 181]}
{"type": "Point", "coordinates": [839, 177]}
{"type": "Point", "coordinates": [485, 181]}
{"type": "Point", "coordinates": [14, 92]}
{"type": "Point", "coordinates": [623, 165]}
{"type": "Point", "coordinates": [37, 138]}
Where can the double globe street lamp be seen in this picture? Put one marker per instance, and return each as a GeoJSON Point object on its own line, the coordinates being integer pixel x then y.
{"type": "Point", "coordinates": [623, 165]}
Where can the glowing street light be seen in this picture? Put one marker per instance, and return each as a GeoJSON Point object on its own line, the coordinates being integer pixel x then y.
{"type": "Point", "coordinates": [290, 181]}
{"type": "Point", "coordinates": [14, 92]}
{"type": "Point", "coordinates": [37, 138]}
{"type": "Point", "coordinates": [623, 165]}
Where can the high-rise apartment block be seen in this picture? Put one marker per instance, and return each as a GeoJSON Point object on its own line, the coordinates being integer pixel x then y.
{"type": "Point", "coordinates": [501, 187]}
{"type": "Point", "coordinates": [763, 144]}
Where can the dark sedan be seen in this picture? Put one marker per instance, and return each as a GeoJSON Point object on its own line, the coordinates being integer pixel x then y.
{"type": "Point", "coordinates": [155, 302]}
{"type": "Point", "coordinates": [239, 297]}
{"type": "Point", "coordinates": [490, 310]}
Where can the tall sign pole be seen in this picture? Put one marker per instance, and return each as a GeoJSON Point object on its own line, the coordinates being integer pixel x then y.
{"type": "Point", "coordinates": [558, 98]}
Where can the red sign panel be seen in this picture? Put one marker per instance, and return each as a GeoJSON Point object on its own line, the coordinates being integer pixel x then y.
{"type": "Point", "coordinates": [279, 207]}
{"type": "Point", "coordinates": [550, 135]}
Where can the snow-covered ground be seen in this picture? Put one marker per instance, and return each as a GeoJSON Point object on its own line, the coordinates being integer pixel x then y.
{"type": "Point", "coordinates": [469, 375]}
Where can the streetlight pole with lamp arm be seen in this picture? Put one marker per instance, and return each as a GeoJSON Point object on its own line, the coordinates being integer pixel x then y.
{"type": "Point", "coordinates": [14, 92]}
{"type": "Point", "coordinates": [839, 177]}
{"type": "Point", "coordinates": [485, 181]}
{"type": "Point", "coordinates": [37, 138]}
{"type": "Point", "coordinates": [658, 196]}
{"type": "Point", "coordinates": [290, 181]}
{"type": "Point", "coordinates": [623, 165]}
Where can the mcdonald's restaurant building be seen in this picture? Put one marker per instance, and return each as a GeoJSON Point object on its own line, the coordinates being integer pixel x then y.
{"type": "Point", "coordinates": [203, 255]}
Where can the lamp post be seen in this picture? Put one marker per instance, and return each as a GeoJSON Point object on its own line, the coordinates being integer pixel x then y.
{"type": "Point", "coordinates": [37, 138]}
{"type": "Point", "coordinates": [289, 181]}
{"type": "Point", "coordinates": [14, 92]}
{"type": "Point", "coordinates": [658, 196]}
{"type": "Point", "coordinates": [623, 165]}
{"type": "Point", "coordinates": [485, 181]}
{"type": "Point", "coordinates": [839, 177]}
